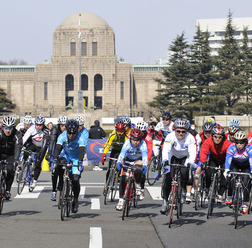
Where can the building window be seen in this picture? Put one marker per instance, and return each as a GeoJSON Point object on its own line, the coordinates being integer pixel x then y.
{"type": "Point", "coordinates": [45, 90]}
{"type": "Point", "coordinates": [94, 48]}
{"type": "Point", "coordinates": [72, 48]}
{"type": "Point", "coordinates": [85, 98]}
{"type": "Point", "coordinates": [69, 102]}
{"type": "Point", "coordinates": [83, 48]}
{"type": "Point", "coordinates": [97, 82]}
{"type": "Point", "coordinates": [98, 102]}
{"type": "Point", "coordinates": [84, 82]}
{"type": "Point", "coordinates": [121, 90]}
{"type": "Point", "coordinates": [69, 82]}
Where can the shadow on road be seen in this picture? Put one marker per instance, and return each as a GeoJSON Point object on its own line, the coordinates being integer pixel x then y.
{"type": "Point", "coordinates": [14, 213]}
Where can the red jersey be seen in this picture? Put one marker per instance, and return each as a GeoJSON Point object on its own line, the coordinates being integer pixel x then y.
{"type": "Point", "coordinates": [149, 143]}
{"type": "Point", "coordinates": [217, 152]}
{"type": "Point", "coordinates": [202, 137]}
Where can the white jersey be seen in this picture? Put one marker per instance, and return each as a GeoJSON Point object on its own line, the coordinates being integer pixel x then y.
{"type": "Point", "coordinates": [20, 126]}
{"type": "Point", "coordinates": [36, 137]}
{"type": "Point", "coordinates": [164, 129]}
{"type": "Point", "coordinates": [179, 148]}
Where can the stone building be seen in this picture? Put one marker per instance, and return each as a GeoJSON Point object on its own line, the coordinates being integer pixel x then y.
{"type": "Point", "coordinates": [87, 61]}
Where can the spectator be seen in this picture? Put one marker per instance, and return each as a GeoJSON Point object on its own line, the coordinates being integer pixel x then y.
{"type": "Point", "coordinates": [96, 132]}
{"type": "Point", "coordinates": [50, 126]}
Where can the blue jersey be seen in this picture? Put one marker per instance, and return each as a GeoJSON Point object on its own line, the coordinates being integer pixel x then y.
{"type": "Point", "coordinates": [70, 147]}
{"type": "Point", "coordinates": [134, 153]}
{"type": "Point", "coordinates": [84, 134]}
{"type": "Point", "coordinates": [239, 156]}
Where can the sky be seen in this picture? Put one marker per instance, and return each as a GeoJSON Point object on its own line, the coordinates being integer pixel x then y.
{"type": "Point", "coordinates": [144, 29]}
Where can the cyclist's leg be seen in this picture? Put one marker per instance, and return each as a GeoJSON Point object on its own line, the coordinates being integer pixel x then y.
{"type": "Point", "coordinates": [209, 173]}
{"type": "Point", "coordinates": [10, 176]}
{"type": "Point", "coordinates": [230, 184]}
{"type": "Point", "coordinates": [223, 182]}
{"type": "Point", "coordinates": [60, 172]}
{"type": "Point", "coordinates": [39, 160]}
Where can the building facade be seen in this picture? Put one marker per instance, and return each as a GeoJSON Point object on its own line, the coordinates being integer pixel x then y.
{"type": "Point", "coordinates": [82, 61]}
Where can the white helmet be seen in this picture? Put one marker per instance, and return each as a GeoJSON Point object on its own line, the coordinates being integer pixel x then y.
{"type": "Point", "coordinates": [142, 126]}
{"type": "Point", "coordinates": [9, 121]}
{"type": "Point", "coordinates": [62, 119]}
{"type": "Point", "coordinates": [80, 119]}
{"type": "Point", "coordinates": [240, 135]}
{"type": "Point", "coordinates": [27, 120]}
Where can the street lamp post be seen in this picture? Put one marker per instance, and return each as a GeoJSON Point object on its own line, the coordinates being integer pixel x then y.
{"type": "Point", "coordinates": [80, 93]}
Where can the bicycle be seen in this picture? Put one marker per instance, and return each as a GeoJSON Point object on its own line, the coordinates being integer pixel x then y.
{"type": "Point", "coordinates": [66, 196]}
{"type": "Point", "coordinates": [3, 173]}
{"type": "Point", "coordinates": [238, 195]}
{"type": "Point", "coordinates": [111, 185]}
{"type": "Point", "coordinates": [154, 167]}
{"type": "Point", "coordinates": [215, 185]}
{"type": "Point", "coordinates": [25, 173]}
{"type": "Point", "coordinates": [175, 202]}
{"type": "Point", "coordinates": [200, 191]}
{"type": "Point", "coordinates": [130, 195]}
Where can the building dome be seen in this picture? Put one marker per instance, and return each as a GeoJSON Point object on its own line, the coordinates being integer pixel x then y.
{"type": "Point", "coordinates": [87, 20]}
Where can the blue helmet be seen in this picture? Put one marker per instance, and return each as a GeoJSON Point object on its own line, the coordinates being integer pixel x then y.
{"type": "Point", "coordinates": [234, 122]}
{"type": "Point", "coordinates": [72, 126]}
{"type": "Point", "coordinates": [40, 120]}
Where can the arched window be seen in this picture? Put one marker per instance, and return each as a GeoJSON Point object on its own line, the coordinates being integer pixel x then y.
{"type": "Point", "coordinates": [84, 82]}
{"type": "Point", "coordinates": [69, 82]}
{"type": "Point", "coordinates": [98, 82]}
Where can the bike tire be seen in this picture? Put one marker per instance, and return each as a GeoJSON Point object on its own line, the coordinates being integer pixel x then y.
{"type": "Point", "coordinates": [59, 198]}
{"type": "Point", "coordinates": [115, 187]}
{"type": "Point", "coordinates": [63, 201]}
{"type": "Point", "coordinates": [2, 193]}
{"type": "Point", "coordinates": [69, 199]}
{"type": "Point", "coordinates": [250, 200]}
{"type": "Point", "coordinates": [236, 205]}
{"type": "Point", "coordinates": [126, 199]}
{"type": "Point", "coordinates": [171, 203]}
{"type": "Point", "coordinates": [180, 203]}
{"type": "Point", "coordinates": [211, 199]}
{"type": "Point", "coordinates": [152, 171]}
{"type": "Point", "coordinates": [198, 195]}
{"type": "Point", "coordinates": [22, 177]}
{"type": "Point", "coordinates": [135, 197]}
{"type": "Point", "coordinates": [107, 187]}
{"type": "Point", "coordinates": [203, 191]}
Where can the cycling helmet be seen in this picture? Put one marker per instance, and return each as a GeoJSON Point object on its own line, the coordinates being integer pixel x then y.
{"type": "Point", "coordinates": [80, 120]}
{"type": "Point", "coordinates": [212, 119]}
{"type": "Point", "coordinates": [40, 120]}
{"type": "Point", "coordinates": [120, 126]}
{"type": "Point", "coordinates": [218, 129]}
{"type": "Point", "coordinates": [127, 121]}
{"type": "Point", "coordinates": [188, 124]}
{"type": "Point", "coordinates": [62, 120]}
{"type": "Point", "coordinates": [233, 129]}
{"type": "Point", "coordinates": [240, 135]}
{"type": "Point", "coordinates": [136, 134]}
{"type": "Point", "coordinates": [207, 126]}
{"type": "Point", "coordinates": [142, 125]}
{"type": "Point", "coordinates": [166, 115]}
{"type": "Point", "coordinates": [27, 120]}
{"type": "Point", "coordinates": [9, 121]}
{"type": "Point", "coordinates": [234, 122]}
{"type": "Point", "coordinates": [72, 126]}
{"type": "Point", "coordinates": [180, 123]}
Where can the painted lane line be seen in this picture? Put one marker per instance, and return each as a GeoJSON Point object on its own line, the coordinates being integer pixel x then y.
{"type": "Point", "coordinates": [95, 203]}
{"type": "Point", "coordinates": [155, 192]}
{"type": "Point", "coordinates": [95, 240]}
{"type": "Point", "coordinates": [82, 192]}
{"type": "Point", "coordinates": [30, 195]}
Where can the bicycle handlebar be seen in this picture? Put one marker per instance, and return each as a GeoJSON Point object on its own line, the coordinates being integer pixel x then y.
{"type": "Point", "coordinates": [240, 173]}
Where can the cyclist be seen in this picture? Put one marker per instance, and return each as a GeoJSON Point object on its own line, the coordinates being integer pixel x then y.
{"type": "Point", "coordinates": [23, 127]}
{"type": "Point", "coordinates": [35, 140]}
{"type": "Point", "coordinates": [151, 130]}
{"type": "Point", "coordinates": [239, 158]}
{"type": "Point", "coordinates": [70, 147]}
{"type": "Point", "coordinates": [10, 148]}
{"type": "Point", "coordinates": [179, 147]}
{"type": "Point", "coordinates": [56, 172]}
{"type": "Point", "coordinates": [84, 132]}
{"type": "Point", "coordinates": [232, 129]}
{"type": "Point", "coordinates": [164, 127]}
{"type": "Point", "coordinates": [134, 149]}
{"type": "Point", "coordinates": [217, 145]}
{"type": "Point", "coordinates": [115, 140]}
{"type": "Point", "coordinates": [128, 124]}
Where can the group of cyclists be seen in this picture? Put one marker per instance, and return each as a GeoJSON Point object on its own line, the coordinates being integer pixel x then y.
{"type": "Point", "coordinates": [179, 144]}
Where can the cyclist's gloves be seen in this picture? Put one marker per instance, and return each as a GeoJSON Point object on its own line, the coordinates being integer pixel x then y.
{"type": "Point", "coordinates": [15, 165]}
{"type": "Point", "coordinates": [103, 158]}
{"type": "Point", "coordinates": [203, 165]}
{"type": "Point", "coordinates": [80, 166]}
{"type": "Point", "coordinates": [191, 165]}
{"type": "Point", "coordinates": [54, 164]}
{"type": "Point", "coordinates": [225, 174]}
{"type": "Point", "coordinates": [48, 157]}
{"type": "Point", "coordinates": [144, 169]}
{"type": "Point", "coordinates": [119, 166]}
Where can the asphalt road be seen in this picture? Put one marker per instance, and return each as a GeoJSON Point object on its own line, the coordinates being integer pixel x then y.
{"type": "Point", "coordinates": [34, 220]}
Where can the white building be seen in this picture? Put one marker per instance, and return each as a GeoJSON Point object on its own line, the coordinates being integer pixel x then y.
{"type": "Point", "coordinates": [216, 29]}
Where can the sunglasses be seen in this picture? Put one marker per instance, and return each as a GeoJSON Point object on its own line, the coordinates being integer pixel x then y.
{"type": "Point", "coordinates": [165, 119]}
{"type": "Point", "coordinates": [178, 131]}
{"type": "Point", "coordinates": [240, 142]}
{"type": "Point", "coordinates": [8, 128]}
{"type": "Point", "coordinates": [217, 136]}
{"type": "Point", "coordinates": [231, 134]}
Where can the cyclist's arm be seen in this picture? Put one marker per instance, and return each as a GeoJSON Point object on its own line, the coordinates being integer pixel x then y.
{"type": "Point", "coordinates": [52, 140]}
{"type": "Point", "coordinates": [229, 157]}
{"type": "Point", "coordinates": [57, 151]}
{"type": "Point", "coordinates": [166, 149]}
{"type": "Point", "coordinates": [109, 142]}
{"type": "Point", "coordinates": [27, 135]}
{"type": "Point", "coordinates": [82, 147]}
{"type": "Point", "coordinates": [123, 152]}
{"type": "Point", "coordinates": [192, 150]}
{"type": "Point", "coordinates": [205, 148]}
{"type": "Point", "coordinates": [144, 154]}
{"type": "Point", "coordinates": [18, 146]}
{"type": "Point", "coordinates": [249, 149]}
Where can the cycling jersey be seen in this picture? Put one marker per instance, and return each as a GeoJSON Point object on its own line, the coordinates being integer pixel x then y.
{"type": "Point", "coordinates": [217, 152]}
{"type": "Point", "coordinates": [179, 148]}
{"type": "Point", "coordinates": [165, 130]}
{"type": "Point", "coordinates": [84, 134]}
{"type": "Point", "coordinates": [242, 157]}
{"type": "Point", "coordinates": [134, 153]}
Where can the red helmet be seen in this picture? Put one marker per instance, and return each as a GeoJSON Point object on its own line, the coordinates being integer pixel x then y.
{"type": "Point", "coordinates": [136, 134]}
{"type": "Point", "coordinates": [218, 129]}
{"type": "Point", "coordinates": [120, 126]}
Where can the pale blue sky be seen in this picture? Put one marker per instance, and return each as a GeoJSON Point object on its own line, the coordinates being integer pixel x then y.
{"type": "Point", "coordinates": [143, 29]}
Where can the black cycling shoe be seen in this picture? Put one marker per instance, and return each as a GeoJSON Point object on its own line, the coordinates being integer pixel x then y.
{"type": "Point", "coordinates": [75, 206]}
{"type": "Point", "coordinates": [7, 195]}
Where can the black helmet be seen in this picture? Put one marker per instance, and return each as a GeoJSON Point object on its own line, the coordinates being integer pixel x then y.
{"type": "Point", "coordinates": [166, 115]}
{"type": "Point", "coordinates": [72, 126]}
{"type": "Point", "coordinates": [207, 126]}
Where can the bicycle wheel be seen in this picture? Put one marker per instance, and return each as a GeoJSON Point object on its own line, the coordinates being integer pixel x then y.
{"type": "Point", "coordinates": [59, 198]}
{"type": "Point", "coordinates": [171, 203]}
{"type": "Point", "coordinates": [21, 178]}
{"type": "Point", "coordinates": [180, 203]}
{"type": "Point", "coordinates": [198, 194]}
{"type": "Point", "coordinates": [107, 187]}
{"type": "Point", "coordinates": [2, 192]}
{"type": "Point", "coordinates": [69, 198]}
{"type": "Point", "coordinates": [203, 192]}
{"type": "Point", "coordinates": [152, 171]}
{"type": "Point", "coordinates": [114, 187]}
{"type": "Point", "coordinates": [134, 196]}
{"type": "Point", "coordinates": [211, 199]}
{"type": "Point", "coordinates": [125, 211]}
{"type": "Point", "coordinates": [63, 202]}
{"type": "Point", "coordinates": [236, 205]}
{"type": "Point", "coordinates": [250, 199]}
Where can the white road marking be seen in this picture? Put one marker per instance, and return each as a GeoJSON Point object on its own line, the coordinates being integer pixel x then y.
{"type": "Point", "coordinates": [95, 240]}
{"type": "Point", "coordinates": [95, 203]}
{"type": "Point", "coordinates": [30, 195]}
{"type": "Point", "coordinates": [155, 192]}
{"type": "Point", "coordinates": [82, 192]}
